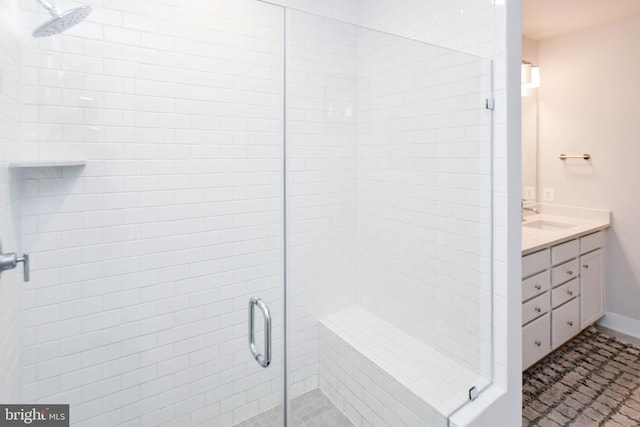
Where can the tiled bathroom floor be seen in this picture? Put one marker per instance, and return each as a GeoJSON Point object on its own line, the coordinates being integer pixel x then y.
{"type": "Point", "coordinates": [312, 409]}
{"type": "Point", "coordinates": [591, 381]}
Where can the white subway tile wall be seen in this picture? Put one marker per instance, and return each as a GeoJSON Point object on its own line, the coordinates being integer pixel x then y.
{"type": "Point", "coordinates": [341, 10]}
{"type": "Point", "coordinates": [424, 156]}
{"type": "Point", "coordinates": [143, 261]}
{"type": "Point", "coordinates": [322, 188]}
{"type": "Point", "coordinates": [376, 371]}
{"type": "Point", "coordinates": [463, 25]}
{"type": "Point", "coordinates": [10, 281]}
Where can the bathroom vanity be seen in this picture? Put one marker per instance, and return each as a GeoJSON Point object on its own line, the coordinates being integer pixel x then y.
{"type": "Point", "coordinates": [562, 276]}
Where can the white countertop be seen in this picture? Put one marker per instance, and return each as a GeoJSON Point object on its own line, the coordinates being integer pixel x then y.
{"type": "Point", "coordinates": [576, 221]}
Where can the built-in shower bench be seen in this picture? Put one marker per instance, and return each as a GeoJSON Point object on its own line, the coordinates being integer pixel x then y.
{"type": "Point", "coordinates": [373, 371]}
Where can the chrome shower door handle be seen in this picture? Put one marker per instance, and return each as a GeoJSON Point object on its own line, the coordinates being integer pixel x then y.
{"type": "Point", "coordinates": [263, 360]}
{"type": "Point", "coordinates": [9, 261]}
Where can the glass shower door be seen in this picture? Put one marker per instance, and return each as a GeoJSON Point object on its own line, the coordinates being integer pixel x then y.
{"type": "Point", "coordinates": [147, 254]}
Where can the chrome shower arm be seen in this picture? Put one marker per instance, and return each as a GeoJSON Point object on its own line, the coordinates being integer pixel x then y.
{"type": "Point", "coordinates": [54, 10]}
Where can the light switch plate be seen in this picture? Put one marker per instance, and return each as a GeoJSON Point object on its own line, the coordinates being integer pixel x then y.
{"type": "Point", "coordinates": [547, 194]}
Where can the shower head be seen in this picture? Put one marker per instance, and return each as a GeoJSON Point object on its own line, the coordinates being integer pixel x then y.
{"type": "Point", "coordinates": [61, 21]}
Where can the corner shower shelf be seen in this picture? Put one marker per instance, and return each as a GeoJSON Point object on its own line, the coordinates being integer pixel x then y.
{"type": "Point", "coordinates": [16, 164]}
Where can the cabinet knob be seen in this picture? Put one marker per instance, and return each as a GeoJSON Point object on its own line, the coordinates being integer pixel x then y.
{"type": "Point", "coordinates": [537, 286]}
{"type": "Point", "coordinates": [570, 293]}
{"type": "Point", "coordinates": [538, 343]}
{"type": "Point", "coordinates": [570, 272]}
{"type": "Point", "coordinates": [570, 323]}
{"type": "Point", "coordinates": [538, 309]}
{"type": "Point", "coordinates": [586, 266]}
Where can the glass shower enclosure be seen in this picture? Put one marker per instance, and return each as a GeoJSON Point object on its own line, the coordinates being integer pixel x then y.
{"type": "Point", "coordinates": [271, 216]}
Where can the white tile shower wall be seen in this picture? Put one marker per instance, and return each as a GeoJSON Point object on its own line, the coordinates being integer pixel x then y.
{"type": "Point", "coordinates": [321, 174]}
{"type": "Point", "coordinates": [10, 281]}
{"type": "Point", "coordinates": [425, 194]}
{"type": "Point", "coordinates": [435, 378]}
{"type": "Point", "coordinates": [463, 25]}
{"type": "Point", "coordinates": [366, 394]}
{"type": "Point", "coordinates": [145, 259]}
{"type": "Point", "coordinates": [341, 10]}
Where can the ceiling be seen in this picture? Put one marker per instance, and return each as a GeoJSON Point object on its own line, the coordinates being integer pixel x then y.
{"type": "Point", "coordinates": [543, 19]}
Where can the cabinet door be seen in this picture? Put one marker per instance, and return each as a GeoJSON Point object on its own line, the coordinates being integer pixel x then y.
{"type": "Point", "coordinates": [565, 323]}
{"type": "Point", "coordinates": [536, 341]}
{"type": "Point", "coordinates": [592, 287]}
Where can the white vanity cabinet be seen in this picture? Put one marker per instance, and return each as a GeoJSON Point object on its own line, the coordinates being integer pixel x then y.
{"type": "Point", "coordinates": [562, 293]}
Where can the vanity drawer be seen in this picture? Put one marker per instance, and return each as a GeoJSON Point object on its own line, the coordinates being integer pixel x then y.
{"type": "Point", "coordinates": [536, 307]}
{"type": "Point", "coordinates": [565, 322]}
{"type": "Point", "coordinates": [564, 272]}
{"type": "Point", "coordinates": [535, 262]}
{"type": "Point", "coordinates": [591, 242]}
{"type": "Point", "coordinates": [535, 285]}
{"type": "Point", "coordinates": [564, 252]}
{"type": "Point", "coordinates": [565, 292]}
{"type": "Point", "coordinates": [536, 340]}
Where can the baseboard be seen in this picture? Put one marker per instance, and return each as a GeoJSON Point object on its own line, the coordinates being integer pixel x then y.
{"type": "Point", "coordinates": [620, 323]}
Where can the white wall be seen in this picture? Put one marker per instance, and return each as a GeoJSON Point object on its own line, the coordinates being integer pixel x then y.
{"type": "Point", "coordinates": [530, 50]}
{"type": "Point", "coordinates": [10, 281]}
{"type": "Point", "coordinates": [588, 104]}
{"type": "Point", "coordinates": [144, 260]}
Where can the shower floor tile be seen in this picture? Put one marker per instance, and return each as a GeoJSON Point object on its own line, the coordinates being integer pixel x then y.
{"type": "Point", "coordinates": [312, 409]}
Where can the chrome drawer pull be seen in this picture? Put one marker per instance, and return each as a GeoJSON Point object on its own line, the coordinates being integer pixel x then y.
{"type": "Point", "coordinates": [570, 272]}
{"type": "Point", "coordinates": [570, 293]}
{"type": "Point", "coordinates": [538, 343]}
{"type": "Point", "coordinates": [537, 286]}
{"type": "Point", "coordinates": [586, 266]}
{"type": "Point", "coordinates": [538, 309]}
{"type": "Point", "coordinates": [570, 323]}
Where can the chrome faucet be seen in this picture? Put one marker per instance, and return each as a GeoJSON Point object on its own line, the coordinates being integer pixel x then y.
{"type": "Point", "coordinates": [526, 208]}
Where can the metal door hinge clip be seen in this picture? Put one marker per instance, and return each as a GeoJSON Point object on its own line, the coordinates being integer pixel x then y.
{"type": "Point", "coordinates": [473, 393]}
{"type": "Point", "coordinates": [490, 104]}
